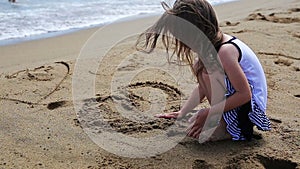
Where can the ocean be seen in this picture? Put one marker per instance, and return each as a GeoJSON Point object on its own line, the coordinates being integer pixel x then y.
{"type": "Point", "coordinates": [30, 19]}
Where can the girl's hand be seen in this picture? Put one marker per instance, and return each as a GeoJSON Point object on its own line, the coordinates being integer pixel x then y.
{"type": "Point", "coordinates": [172, 115]}
{"type": "Point", "coordinates": [197, 121]}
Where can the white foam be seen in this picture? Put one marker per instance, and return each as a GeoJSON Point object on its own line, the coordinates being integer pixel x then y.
{"type": "Point", "coordinates": [28, 18]}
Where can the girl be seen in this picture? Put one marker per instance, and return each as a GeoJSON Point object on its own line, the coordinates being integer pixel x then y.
{"type": "Point", "coordinates": [241, 92]}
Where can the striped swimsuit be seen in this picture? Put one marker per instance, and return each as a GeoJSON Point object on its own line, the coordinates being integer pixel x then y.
{"type": "Point", "coordinates": [240, 121]}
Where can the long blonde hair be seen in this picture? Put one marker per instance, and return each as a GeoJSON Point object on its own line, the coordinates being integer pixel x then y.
{"type": "Point", "coordinates": [201, 15]}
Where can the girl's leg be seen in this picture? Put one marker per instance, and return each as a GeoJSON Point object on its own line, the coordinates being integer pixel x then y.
{"type": "Point", "coordinates": [221, 132]}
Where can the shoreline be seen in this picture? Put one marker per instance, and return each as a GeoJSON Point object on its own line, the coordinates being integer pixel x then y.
{"type": "Point", "coordinates": [12, 41]}
{"type": "Point", "coordinates": [63, 47]}
{"type": "Point", "coordinates": [15, 41]}
{"type": "Point", "coordinates": [68, 46]}
{"type": "Point", "coordinates": [232, 14]}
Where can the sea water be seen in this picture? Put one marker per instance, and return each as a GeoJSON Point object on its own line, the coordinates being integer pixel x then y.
{"type": "Point", "coordinates": [27, 19]}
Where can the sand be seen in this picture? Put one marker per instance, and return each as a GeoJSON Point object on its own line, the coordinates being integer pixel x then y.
{"type": "Point", "coordinates": [41, 126]}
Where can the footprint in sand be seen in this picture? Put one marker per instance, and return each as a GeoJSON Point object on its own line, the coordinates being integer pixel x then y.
{"type": "Point", "coordinates": [110, 162]}
{"type": "Point", "coordinates": [58, 104]}
{"type": "Point", "coordinates": [297, 95]}
{"type": "Point", "coordinates": [294, 10]}
{"type": "Point", "coordinates": [283, 62]}
{"type": "Point", "coordinates": [228, 23]}
{"type": "Point", "coordinates": [260, 161]}
{"type": "Point", "coordinates": [297, 69]}
{"type": "Point", "coordinates": [275, 120]}
{"type": "Point", "coordinates": [283, 17]}
{"type": "Point", "coordinates": [200, 164]}
{"type": "Point", "coordinates": [296, 34]}
{"type": "Point", "coordinates": [276, 163]}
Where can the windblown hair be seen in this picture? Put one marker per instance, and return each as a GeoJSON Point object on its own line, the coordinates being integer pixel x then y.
{"type": "Point", "coordinates": [177, 27]}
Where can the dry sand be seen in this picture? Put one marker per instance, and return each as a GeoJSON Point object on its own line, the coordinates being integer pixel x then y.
{"type": "Point", "coordinates": [39, 127]}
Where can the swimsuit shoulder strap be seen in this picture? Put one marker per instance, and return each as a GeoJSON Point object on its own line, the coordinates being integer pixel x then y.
{"type": "Point", "coordinates": [234, 44]}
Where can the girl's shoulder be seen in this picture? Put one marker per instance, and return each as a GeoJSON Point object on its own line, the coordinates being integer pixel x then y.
{"type": "Point", "coordinates": [230, 49]}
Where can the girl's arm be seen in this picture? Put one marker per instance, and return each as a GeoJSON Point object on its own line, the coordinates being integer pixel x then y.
{"type": "Point", "coordinates": [229, 58]}
{"type": "Point", "coordinates": [195, 99]}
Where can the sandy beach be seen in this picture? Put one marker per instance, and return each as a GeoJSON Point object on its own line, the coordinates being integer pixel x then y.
{"type": "Point", "coordinates": [40, 126]}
